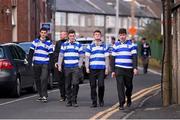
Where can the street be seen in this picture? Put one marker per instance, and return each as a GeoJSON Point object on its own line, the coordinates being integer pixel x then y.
{"type": "Point", "coordinates": [26, 107]}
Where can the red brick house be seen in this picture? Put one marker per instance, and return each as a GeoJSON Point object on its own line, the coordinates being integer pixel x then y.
{"type": "Point", "coordinates": [20, 19]}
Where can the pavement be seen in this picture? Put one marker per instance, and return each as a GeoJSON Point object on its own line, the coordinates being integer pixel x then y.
{"type": "Point", "coordinates": [151, 107]}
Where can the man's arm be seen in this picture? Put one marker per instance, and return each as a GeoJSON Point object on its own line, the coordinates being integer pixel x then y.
{"type": "Point", "coordinates": [60, 61]}
{"type": "Point", "coordinates": [56, 51]}
{"type": "Point", "coordinates": [30, 56]}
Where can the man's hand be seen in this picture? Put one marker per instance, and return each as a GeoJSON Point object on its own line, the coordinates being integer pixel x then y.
{"type": "Point", "coordinates": [87, 71]}
{"type": "Point", "coordinates": [106, 72]}
{"type": "Point", "coordinates": [113, 75]}
{"type": "Point", "coordinates": [56, 65]}
{"type": "Point", "coordinates": [60, 68]}
{"type": "Point", "coordinates": [135, 71]}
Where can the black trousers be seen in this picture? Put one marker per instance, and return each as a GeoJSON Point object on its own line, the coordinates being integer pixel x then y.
{"type": "Point", "coordinates": [124, 79]}
{"type": "Point", "coordinates": [41, 77]}
{"type": "Point", "coordinates": [59, 76]}
{"type": "Point", "coordinates": [94, 76]}
{"type": "Point", "coordinates": [71, 84]}
{"type": "Point", "coordinates": [145, 61]}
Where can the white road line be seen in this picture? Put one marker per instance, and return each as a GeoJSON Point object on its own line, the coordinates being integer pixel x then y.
{"type": "Point", "coordinates": [141, 104]}
{"type": "Point", "coordinates": [150, 70]}
{"type": "Point", "coordinates": [32, 96]}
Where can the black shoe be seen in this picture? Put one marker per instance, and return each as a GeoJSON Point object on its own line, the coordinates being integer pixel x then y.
{"type": "Point", "coordinates": [121, 107]}
{"type": "Point", "coordinates": [129, 103]}
{"type": "Point", "coordinates": [44, 99]}
{"type": "Point", "coordinates": [75, 105]}
{"type": "Point", "coordinates": [62, 99]}
{"type": "Point", "coordinates": [39, 99]}
{"type": "Point", "coordinates": [93, 105]}
{"type": "Point", "coordinates": [101, 103]}
{"type": "Point", "coordinates": [69, 104]}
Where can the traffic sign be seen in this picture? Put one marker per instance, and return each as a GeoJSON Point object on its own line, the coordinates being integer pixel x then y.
{"type": "Point", "coordinates": [132, 30]}
{"type": "Point", "coordinates": [47, 25]}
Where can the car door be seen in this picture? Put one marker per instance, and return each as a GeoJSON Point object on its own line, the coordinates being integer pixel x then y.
{"type": "Point", "coordinates": [26, 70]}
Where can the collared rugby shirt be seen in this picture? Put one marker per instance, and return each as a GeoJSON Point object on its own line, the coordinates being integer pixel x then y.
{"type": "Point", "coordinates": [97, 55]}
{"type": "Point", "coordinates": [123, 53]}
{"type": "Point", "coordinates": [41, 51]}
{"type": "Point", "coordinates": [71, 52]}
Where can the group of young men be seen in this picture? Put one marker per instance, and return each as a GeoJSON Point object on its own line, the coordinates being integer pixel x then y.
{"type": "Point", "coordinates": [68, 58]}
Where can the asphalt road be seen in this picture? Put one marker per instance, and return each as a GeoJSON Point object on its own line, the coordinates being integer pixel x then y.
{"type": "Point", "coordinates": [26, 107]}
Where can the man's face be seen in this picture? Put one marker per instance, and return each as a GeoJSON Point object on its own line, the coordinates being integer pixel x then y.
{"type": "Point", "coordinates": [71, 37]}
{"type": "Point", "coordinates": [43, 34]}
{"type": "Point", "coordinates": [97, 36]}
{"type": "Point", "coordinates": [122, 36]}
{"type": "Point", "coordinates": [143, 41]}
{"type": "Point", "coordinates": [63, 35]}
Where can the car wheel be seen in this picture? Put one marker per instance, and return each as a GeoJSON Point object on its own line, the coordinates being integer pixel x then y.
{"type": "Point", "coordinates": [50, 81]}
{"type": "Point", "coordinates": [17, 88]}
{"type": "Point", "coordinates": [33, 88]}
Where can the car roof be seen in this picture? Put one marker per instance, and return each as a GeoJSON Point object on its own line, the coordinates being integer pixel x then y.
{"type": "Point", "coordinates": [5, 44]}
{"type": "Point", "coordinates": [85, 39]}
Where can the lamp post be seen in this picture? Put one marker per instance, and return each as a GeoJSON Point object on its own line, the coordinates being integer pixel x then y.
{"type": "Point", "coordinates": [117, 18]}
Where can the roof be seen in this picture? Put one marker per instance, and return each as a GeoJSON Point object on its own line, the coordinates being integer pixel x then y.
{"type": "Point", "coordinates": [78, 6]}
{"type": "Point", "coordinates": [101, 7]}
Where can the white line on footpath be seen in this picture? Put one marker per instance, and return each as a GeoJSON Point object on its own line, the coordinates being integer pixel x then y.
{"type": "Point", "coordinates": [152, 71]}
{"type": "Point", "coordinates": [32, 96]}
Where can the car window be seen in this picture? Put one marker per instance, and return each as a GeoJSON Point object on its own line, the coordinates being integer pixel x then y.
{"type": "Point", "coordinates": [25, 46]}
{"type": "Point", "coordinates": [21, 52]}
{"type": "Point", "coordinates": [13, 52]}
{"type": "Point", "coordinates": [1, 52]}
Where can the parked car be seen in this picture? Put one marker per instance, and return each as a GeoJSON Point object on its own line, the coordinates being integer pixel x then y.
{"type": "Point", "coordinates": [26, 46]}
{"type": "Point", "coordinates": [15, 73]}
{"type": "Point", "coordinates": [84, 42]}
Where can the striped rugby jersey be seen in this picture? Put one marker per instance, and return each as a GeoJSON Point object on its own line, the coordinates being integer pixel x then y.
{"type": "Point", "coordinates": [123, 53]}
{"type": "Point", "coordinates": [71, 53]}
{"type": "Point", "coordinates": [41, 51]}
{"type": "Point", "coordinates": [97, 55]}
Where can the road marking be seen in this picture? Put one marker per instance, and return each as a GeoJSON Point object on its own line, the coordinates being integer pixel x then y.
{"type": "Point", "coordinates": [134, 96]}
{"type": "Point", "coordinates": [32, 96]}
{"type": "Point", "coordinates": [117, 109]}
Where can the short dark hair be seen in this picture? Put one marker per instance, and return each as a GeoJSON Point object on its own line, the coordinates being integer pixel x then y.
{"type": "Point", "coordinates": [143, 38]}
{"type": "Point", "coordinates": [98, 31]}
{"type": "Point", "coordinates": [71, 31]}
{"type": "Point", "coordinates": [43, 29]}
{"type": "Point", "coordinates": [113, 38]}
{"type": "Point", "coordinates": [122, 30]}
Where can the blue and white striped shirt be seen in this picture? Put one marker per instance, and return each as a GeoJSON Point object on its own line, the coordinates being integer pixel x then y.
{"type": "Point", "coordinates": [71, 53]}
{"type": "Point", "coordinates": [41, 51]}
{"type": "Point", "coordinates": [97, 55]}
{"type": "Point", "coordinates": [123, 53]}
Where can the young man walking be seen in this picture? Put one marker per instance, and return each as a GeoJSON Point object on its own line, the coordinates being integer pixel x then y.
{"type": "Point", "coordinates": [97, 65]}
{"type": "Point", "coordinates": [72, 55]}
{"type": "Point", "coordinates": [41, 55]}
{"type": "Point", "coordinates": [59, 76]}
{"type": "Point", "coordinates": [145, 54]}
{"type": "Point", "coordinates": [124, 66]}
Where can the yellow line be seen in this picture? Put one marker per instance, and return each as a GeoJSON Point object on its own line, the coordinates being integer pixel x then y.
{"type": "Point", "coordinates": [117, 104]}
{"type": "Point", "coordinates": [116, 110]}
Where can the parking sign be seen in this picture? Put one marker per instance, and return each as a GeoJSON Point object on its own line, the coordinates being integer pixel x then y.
{"type": "Point", "coordinates": [48, 26]}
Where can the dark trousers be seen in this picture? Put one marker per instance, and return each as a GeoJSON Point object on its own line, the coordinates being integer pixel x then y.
{"type": "Point", "coordinates": [59, 76]}
{"type": "Point", "coordinates": [41, 77]}
{"type": "Point", "coordinates": [71, 84]}
{"type": "Point", "coordinates": [124, 79]}
{"type": "Point", "coordinates": [93, 77]}
{"type": "Point", "coordinates": [145, 62]}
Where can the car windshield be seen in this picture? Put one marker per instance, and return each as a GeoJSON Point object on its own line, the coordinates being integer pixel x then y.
{"type": "Point", "coordinates": [85, 43]}
{"type": "Point", "coordinates": [25, 46]}
{"type": "Point", "coordinates": [1, 52]}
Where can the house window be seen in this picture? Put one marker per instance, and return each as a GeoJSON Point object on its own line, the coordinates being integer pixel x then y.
{"type": "Point", "coordinates": [99, 20]}
{"type": "Point", "coordinates": [73, 19]}
{"type": "Point", "coordinates": [89, 22]}
{"type": "Point", "coordinates": [82, 21]}
{"type": "Point", "coordinates": [110, 21]}
{"type": "Point", "coordinates": [57, 36]}
{"type": "Point", "coordinates": [60, 18]}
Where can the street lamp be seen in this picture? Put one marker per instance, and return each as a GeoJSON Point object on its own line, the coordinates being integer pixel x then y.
{"type": "Point", "coordinates": [117, 18]}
